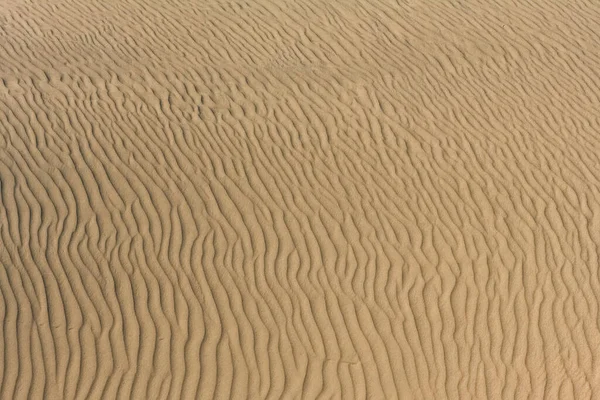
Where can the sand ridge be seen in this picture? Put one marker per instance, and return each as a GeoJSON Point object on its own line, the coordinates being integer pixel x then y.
{"type": "Point", "coordinates": [299, 199]}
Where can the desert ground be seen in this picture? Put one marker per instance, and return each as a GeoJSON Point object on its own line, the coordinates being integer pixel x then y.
{"type": "Point", "coordinates": [299, 199]}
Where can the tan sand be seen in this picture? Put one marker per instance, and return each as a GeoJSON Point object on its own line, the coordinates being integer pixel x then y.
{"type": "Point", "coordinates": [299, 199]}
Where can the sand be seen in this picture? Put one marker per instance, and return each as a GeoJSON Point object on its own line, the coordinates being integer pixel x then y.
{"type": "Point", "coordinates": [299, 199]}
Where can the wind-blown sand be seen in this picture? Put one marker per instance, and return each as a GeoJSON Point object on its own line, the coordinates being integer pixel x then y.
{"type": "Point", "coordinates": [299, 199]}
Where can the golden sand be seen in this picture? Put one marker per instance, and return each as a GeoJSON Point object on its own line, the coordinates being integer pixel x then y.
{"type": "Point", "coordinates": [299, 199]}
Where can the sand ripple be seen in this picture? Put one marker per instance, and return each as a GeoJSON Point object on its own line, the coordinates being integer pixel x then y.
{"type": "Point", "coordinates": [299, 199]}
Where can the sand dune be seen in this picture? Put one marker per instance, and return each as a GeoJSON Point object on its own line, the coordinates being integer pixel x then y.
{"type": "Point", "coordinates": [299, 199]}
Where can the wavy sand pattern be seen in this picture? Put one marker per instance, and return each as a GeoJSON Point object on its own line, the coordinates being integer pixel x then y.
{"type": "Point", "coordinates": [299, 199]}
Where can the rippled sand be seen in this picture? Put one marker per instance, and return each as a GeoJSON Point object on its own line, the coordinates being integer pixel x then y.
{"type": "Point", "coordinates": [299, 199]}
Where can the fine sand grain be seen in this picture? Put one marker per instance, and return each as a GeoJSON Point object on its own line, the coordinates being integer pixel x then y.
{"type": "Point", "coordinates": [299, 199]}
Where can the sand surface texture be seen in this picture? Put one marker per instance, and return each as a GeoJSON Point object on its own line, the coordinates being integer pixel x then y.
{"type": "Point", "coordinates": [303, 199]}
